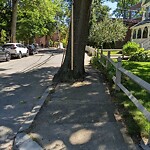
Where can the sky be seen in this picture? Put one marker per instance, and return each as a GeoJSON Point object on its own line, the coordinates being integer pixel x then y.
{"type": "Point", "coordinates": [111, 5]}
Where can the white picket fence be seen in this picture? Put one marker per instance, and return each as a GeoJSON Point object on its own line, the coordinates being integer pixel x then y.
{"type": "Point", "coordinates": [117, 79]}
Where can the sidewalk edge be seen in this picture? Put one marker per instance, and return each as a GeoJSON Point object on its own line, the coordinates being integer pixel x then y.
{"type": "Point", "coordinates": [23, 137]}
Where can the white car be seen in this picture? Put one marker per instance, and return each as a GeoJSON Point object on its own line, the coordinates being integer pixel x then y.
{"type": "Point", "coordinates": [16, 49]}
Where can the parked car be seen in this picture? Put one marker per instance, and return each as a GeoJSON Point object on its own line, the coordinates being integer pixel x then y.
{"type": "Point", "coordinates": [16, 49]}
{"type": "Point", "coordinates": [4, 55]}
{"type": "Point", "coordinates": [32, 49]}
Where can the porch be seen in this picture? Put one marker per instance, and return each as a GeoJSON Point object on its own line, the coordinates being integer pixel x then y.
{"type": "Point", "coordinates": [141, 34]}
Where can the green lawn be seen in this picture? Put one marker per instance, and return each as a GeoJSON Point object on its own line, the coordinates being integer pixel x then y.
{"type": "Point", "coordinates": [111, 53]}
{"type": "Point", "coordinates": [142, 70]}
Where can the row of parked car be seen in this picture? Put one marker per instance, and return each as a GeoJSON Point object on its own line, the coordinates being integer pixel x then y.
{"type": "Point", "coordinates": [10, 50]}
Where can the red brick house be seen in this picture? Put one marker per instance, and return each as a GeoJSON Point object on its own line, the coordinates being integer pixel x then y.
{"type": "Point", "coordinates": [44, 40]}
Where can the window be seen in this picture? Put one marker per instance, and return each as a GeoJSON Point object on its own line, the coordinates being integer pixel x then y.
{"type": "Point", "coordinates": [7, 46]}
{"type": "Point", "coordinates": [139, 34]}
{"type": "Point", "coordinates": [134, 34]}
{"type": "Point", "coordinates": [145, 32]}
{"type": "Point", "coordinates": [18, 45]}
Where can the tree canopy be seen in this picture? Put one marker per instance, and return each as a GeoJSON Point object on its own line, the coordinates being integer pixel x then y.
{"type": "Point", "coordinates": [107, 31]}
{"type": "Point", "coordinates": [123, 7]}
{"type": "Point", "coordinates": [98, 11]}
{"type": "Point", "coordinates": [5, 19]}
{"type": "Point", "coordinates": [34, 18]}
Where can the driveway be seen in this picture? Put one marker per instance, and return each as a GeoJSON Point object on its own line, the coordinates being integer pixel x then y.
{"type": "Point", "coordinates": [22, 82]}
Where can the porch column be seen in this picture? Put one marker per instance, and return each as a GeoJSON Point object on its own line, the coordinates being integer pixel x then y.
{"type": "Point", "coordinates": [143, 16]}
{"type": "Point", "coordinates": [148, 32]}
{"type": "Point", "coordinates": [147, 12]}
{"type": "Point", "coordinates": [148, 36]}
{"type": "Point", "coordinates": [142, 29]}
{"type": "Point", "coordinates": [132, 34]}
{"type": "Point", "coordinates": [136, 33]}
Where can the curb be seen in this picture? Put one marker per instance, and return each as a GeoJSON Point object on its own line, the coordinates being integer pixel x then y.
{"type": "Point", "coordinates": [22, 141]}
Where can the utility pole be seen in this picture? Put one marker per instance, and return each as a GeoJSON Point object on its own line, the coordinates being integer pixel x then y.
{"type": "Point", "coordinates": [72, 35]}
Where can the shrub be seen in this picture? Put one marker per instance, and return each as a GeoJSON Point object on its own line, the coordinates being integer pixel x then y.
{"type": "Point", "coordinates": [131, 48]}
{"type": "Point", "coordinates": [141, 56]}
{"type": "Point", "coordinates": [95, 62]}
{"type": "Point", "coordinates": [64, 41]}
{"type": "Point", "coordinates": [2, 36]}
{"type": "Point", "coordinates": [50, 42]}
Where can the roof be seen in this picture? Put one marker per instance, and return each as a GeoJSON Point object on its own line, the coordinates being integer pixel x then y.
{"type": "Point", "coordinates": [142, 23]}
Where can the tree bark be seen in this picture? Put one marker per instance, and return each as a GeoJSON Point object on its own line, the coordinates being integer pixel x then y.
{"type": "Point", "coordinates": [81, 21]}
{"type": "Point", "coordinates": [14, 20]}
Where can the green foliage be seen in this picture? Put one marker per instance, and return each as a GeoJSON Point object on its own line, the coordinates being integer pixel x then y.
{"type": "Point", "coordinates": [64, 41]}
{"type": "Point", "coordinates": [36, 18]}
{"type": "Point", "coordinates": [98, 11]}
{"type": "Point", "coordinates": [123, 6]}
{"type": "Point", "coordinates": [5, 17]}
{"type": "Point", "coordinates": [136, 53]}
{"type": "Point", "coordinates": [3, 36]}
{"type": "Point", "coordinates": [109, 72]}
{"type": "Point", "coordinates": [142, 70]}
{"type": "Point", "coordinates": [64, 35]}
{"type": "Point", "coordinates": [51, 43]}
{"type": "Point", "coordinates": [140, 56]}
{"type": "Point", "coordinates": [130, 48]}
{"type": "Point", "coordinates": [95, 62]}
{"type": "Point", "coordinates": [107, 31]}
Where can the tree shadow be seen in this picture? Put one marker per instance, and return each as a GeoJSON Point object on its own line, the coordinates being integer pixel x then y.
{"type": "Point", "coordinates": [79, 116]}
{"type": "Point", "coordinates": [58, 51]}
{"type": "Point", "coordinates": [19, 93]}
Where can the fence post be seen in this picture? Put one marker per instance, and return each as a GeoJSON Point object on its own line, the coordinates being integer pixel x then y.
{"type": "Point", "coordinates": [101, 53]}
{"type": "Point", "coordinates": [96, 53]}
{"type": "Point", "coordinates": [118, 74]}
{"type": "Point", "coordinates": [108, 57]}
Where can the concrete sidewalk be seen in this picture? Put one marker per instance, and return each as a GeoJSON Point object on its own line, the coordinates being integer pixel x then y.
{"type": "Point", "coordinates": [80, 116]}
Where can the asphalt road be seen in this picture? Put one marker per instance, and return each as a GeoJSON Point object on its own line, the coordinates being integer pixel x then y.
{"type": "Point", "coordinates": [22, 83]}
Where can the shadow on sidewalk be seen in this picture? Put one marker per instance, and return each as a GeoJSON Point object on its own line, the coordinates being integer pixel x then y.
{"type": "Point", "coordinates": [80, 116]}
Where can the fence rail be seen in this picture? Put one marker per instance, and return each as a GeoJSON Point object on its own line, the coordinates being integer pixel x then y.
{"type": "Point", "coordinates": [117, 78]}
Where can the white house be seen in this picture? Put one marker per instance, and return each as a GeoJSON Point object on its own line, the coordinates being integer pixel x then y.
{"type": "Point", "coordinates": [141, 31]}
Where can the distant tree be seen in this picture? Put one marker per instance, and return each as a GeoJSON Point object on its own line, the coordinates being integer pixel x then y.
{"type": "Point", "coordinates": [123, 7]}
{"type": "Point", "coordinates": [107, 31]}
{"type": "Point", "coordinates": [81, 25]}
{"type": "Point", "coordinates": [5, 17]}
{"type": "Point", "coordinates": [98, 11]}
{"type": "Point", "coordinates": [36, 18]}
{"type": "Point", "coordinates": [24, 20]}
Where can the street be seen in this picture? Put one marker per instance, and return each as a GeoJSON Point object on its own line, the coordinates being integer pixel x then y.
{"type": "Point", "coordinates": [22, 82]}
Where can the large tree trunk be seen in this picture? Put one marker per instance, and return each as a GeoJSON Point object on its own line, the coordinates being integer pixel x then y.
{"type": "Point", "coordinates": [81, 21]}
{"type": "Point", "coordinates": [14, 20]}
